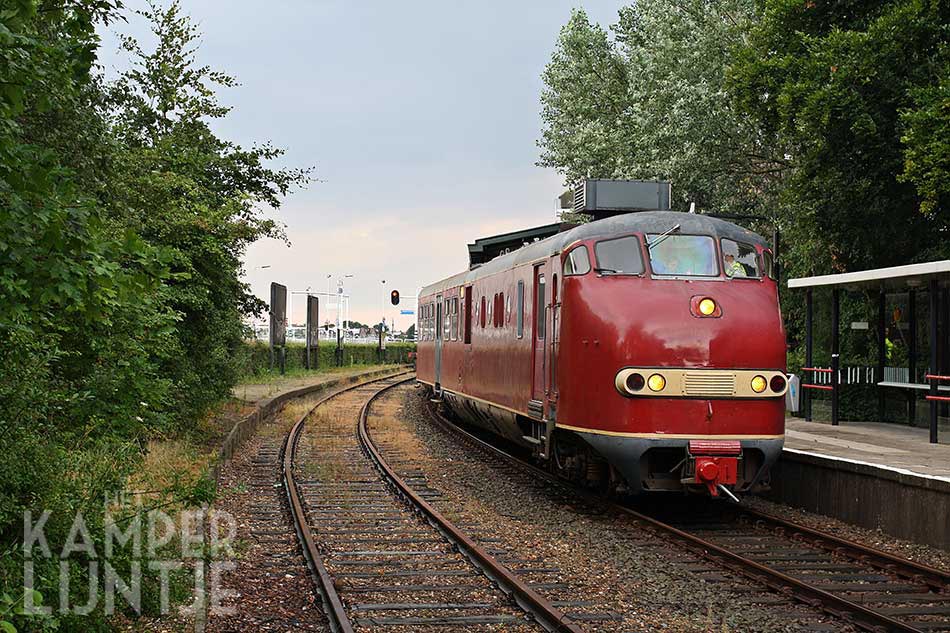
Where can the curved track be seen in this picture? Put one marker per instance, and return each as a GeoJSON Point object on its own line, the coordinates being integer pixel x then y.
{"type": "Point", "coordinates": [380, 554]}
{"type": "Point", "coordinates": [870, 589]}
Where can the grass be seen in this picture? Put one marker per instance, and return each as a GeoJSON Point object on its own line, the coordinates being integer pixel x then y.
{"type": "Point", "coordinates": [167, 462]}
{"type": "Point", "coordinates": [274, 375]}
{"type": "Point", "coordinates": [266, 385]}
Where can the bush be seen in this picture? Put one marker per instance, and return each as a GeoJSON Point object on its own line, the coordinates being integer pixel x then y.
{"type": "Point", "coordinates": [254, 358]}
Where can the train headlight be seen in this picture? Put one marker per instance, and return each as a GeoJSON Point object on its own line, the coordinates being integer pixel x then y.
{"type": "Point", "coordinates": [707, 307]}
{"type": "Point", "coordinates": [635, 382]}
{"type": "Point", "coordinates": [759, 383]}
{"type": "Point", "coordinates": [778, 383]}
{"type": "Point", "coordinates": [656, 382]}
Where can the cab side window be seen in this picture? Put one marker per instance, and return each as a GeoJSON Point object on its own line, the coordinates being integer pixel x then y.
{"type": "Point", "coordinates": [577, 262]}
{"type": "Point", "coordinates": [739, 260]}
{"type": "Point", "coordinates": [619, 256]}
{"type": "Point", "coordinates": [768, 262]}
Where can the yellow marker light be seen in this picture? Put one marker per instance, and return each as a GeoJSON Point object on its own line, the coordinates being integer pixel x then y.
{"type": "Point", "coordinates": [707, 307]}
{"type": "Point", "coordinates": [759, 383]}
{"type": "Point", "coordinates": [656, 382]}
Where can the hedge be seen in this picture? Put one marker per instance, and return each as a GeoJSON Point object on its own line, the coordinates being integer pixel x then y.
{"type": "Point", "coordinates": [255, 356]}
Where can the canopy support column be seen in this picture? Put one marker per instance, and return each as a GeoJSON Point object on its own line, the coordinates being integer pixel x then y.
{"type": "Point", "coordinates": [835, 353]}
{"type": "Point", "coordinates": [809, 352]}
{"type": "Point", "coordinates": [944, 343]}
{"type": "Point", "coordinates": [934, 350]}
{"type": "Point", "coordinates": [912, 355]}
{"type": "Point", "coordinates": [881, 351]}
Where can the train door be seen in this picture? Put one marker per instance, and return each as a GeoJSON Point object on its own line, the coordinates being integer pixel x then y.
{"type": "Point", "coordinates": [538, 345]}
{"type": "Point", "coordinates": [555, 337]}
{"type": "Point", "coordinates": [439, 315]}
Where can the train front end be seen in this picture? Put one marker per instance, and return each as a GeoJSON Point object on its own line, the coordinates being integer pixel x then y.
{"type": "Point", "coordinates": [673, 351]}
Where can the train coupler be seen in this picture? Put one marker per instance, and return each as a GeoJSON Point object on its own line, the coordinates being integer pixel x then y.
{"type": "Point", "coordinates": [715, 463]}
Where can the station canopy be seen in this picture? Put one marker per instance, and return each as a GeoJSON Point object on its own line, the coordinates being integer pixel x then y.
{"type": "Point", "coordinates": [893, 278]}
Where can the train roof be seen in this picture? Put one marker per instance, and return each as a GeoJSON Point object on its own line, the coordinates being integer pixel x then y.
{"type": "Point", "coordinates": [642, 222]}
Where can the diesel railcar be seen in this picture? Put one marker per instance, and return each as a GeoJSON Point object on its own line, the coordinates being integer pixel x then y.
{"type": "Point", "coordinates": [645, 351]}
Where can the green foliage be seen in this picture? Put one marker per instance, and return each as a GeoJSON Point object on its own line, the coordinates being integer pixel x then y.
{"type": "Point", "coordinates": [926, 137]}
{"type": "Point", "coordinates": [180, 186]}
{"type": "Point", "coordinates": [829, 118]}
{"type": "Point", "coordinates": [651, 102]}
{"type": "Point", "coordinates": [254, 358]}
{"type": "Point", "coordinates": [829, 82]}
{"type": "Point", "coordinates": [123, 220]}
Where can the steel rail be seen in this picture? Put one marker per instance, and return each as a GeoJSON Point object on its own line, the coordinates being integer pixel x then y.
{"type": "Point", "coordinates": [837, 606]}
{"type": "Point", "coordinates": [934, 578]}
{"type": "Point", "coordinates": [332, 605]}
{"type": "Point", "coordinates": [546, 614]}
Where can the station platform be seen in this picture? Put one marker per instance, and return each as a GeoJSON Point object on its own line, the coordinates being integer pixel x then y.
{"type": "Point", "coordinates": [879, 476]}
{"type": "Point", "coordinates": [892, 446]}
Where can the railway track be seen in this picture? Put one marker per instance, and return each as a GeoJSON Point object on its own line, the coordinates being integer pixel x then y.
{"type": "Point", "coordinates": [380, 554]}
{"type": "Point", "coordinates": [858, 585]}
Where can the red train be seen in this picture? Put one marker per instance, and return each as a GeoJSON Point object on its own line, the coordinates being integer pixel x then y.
{"type": "Point", "coordinates": [644, 350]}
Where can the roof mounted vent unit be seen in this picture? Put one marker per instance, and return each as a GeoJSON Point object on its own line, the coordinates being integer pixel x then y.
{"type": "Point", "coordinates": [604, 198]}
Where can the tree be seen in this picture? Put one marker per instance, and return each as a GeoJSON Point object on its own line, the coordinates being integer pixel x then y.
{"type": "Point", "coordinates": [653, 103]}
{"type": "Point", "coordinates": [122, 222]}
{"type": "Point", "coordinates": [837, 84]}
{"type": "Point", "coordinates": [411, 331]}
{"type": "Point", "coordinates": [198, 196]}
{"type": "Point", "coordinates": [584, 104]}
{"type": "Point", "coordinates": [79, 319]}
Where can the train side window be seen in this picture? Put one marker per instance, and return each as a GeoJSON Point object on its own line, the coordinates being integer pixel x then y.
{"type": "Point", "coordinates": [508, 308]}
{"type": "Point", "coordinates": [539, 308]}
{"type": "Point", "coordinates": [620, 256]}
{"type": "Point", "coordinates": [520, 308]}
{"type": "Point", "coordinates": [739, 260]}
{"type": "Point", "coordinates": [455, 318]}
{"type": "Point", "coordinates": [468, 315]}
{"type": "Point", "coordinates": [447, 320]}
{"type": "Point", "coordinates": [482, 316]}
{"type": "Point", "coordinates": [577, 262]}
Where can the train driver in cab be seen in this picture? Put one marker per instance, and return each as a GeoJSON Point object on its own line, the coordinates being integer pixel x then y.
{"type": "Point", "coordinates": [733, 267]}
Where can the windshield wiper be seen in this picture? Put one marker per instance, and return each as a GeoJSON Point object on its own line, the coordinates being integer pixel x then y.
{"type": "Point", "coordinates": [662, 236]}
{"type": "Point", "coordinates": [609, 271]}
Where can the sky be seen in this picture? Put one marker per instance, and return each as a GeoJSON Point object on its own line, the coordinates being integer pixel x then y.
{"type": "Point", "coordinates": [420, 119]}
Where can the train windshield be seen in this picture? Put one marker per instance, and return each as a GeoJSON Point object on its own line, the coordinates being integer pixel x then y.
{"type": "Point", "coordinates": [739, 260]}
{"type": "Point", "coordinates": [685, 255]}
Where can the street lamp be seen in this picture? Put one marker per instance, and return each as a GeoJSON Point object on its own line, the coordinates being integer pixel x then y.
{"type": "Point", "coordinates": [340, 296]}
{"type": "Point", "coordinates": [382, 308]}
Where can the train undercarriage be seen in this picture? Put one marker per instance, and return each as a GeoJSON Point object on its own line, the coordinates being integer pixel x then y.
{"type": "Point", "coordinates": [613, 464]}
